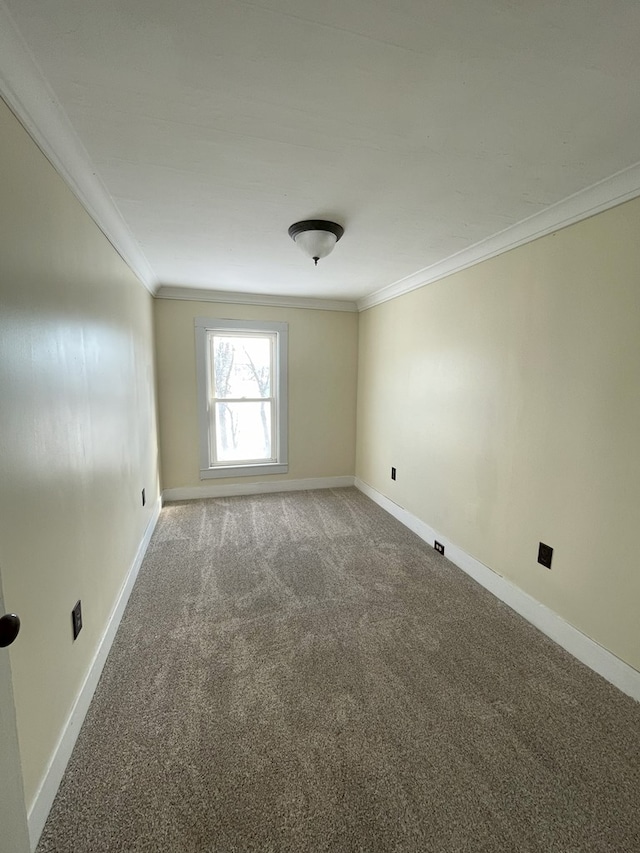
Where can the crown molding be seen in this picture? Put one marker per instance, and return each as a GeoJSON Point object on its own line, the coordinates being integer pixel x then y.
{"type": "Point", "coordinates": [192, 294]}
{"type": "Point", "coordinates": [27, 93]}
{"type": "Point", "coordinates": [610, 192]}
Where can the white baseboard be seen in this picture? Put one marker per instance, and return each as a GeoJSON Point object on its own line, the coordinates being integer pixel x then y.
{"type": "Point", "coordinates": [586, 650]}
{"type": "Point", "coordinates": [190, 493]}
{"type": "Point", "coordinates": [45, 796]}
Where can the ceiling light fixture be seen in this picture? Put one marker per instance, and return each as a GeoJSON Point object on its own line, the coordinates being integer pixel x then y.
{"type": "Point", "coordinates": [316, 237]}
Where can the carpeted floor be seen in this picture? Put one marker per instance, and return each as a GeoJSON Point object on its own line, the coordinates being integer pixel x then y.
{"type": "Point", "coordinates": [298, 672]}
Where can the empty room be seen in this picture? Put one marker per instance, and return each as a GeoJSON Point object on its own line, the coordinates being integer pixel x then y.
{"type": "Point", "coordinates": [319, 410]}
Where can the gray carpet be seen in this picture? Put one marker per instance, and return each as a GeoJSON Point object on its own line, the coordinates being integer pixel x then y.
{"type": "Point", "coordinates": [298, 672]}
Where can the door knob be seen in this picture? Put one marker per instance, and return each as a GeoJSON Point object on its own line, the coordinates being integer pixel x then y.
{"type": "Point", "coordinates": [9, 629]}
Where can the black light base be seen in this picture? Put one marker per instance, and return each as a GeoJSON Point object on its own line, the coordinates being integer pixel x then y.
{"type": "Point", "coordinates": [315, 225]}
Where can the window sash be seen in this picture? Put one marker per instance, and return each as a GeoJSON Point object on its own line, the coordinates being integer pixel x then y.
{"type": "Point", "coordinates": [214, 460]}
{"type": "Point", "coordinates": [213, 433]}
{"type": "Point", "coordinates": [277, 332]}
{"type": "Point", "coordinates": [272, 337]}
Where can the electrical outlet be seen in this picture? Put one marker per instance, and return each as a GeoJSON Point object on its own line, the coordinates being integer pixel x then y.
{"type": "Point", "coordinates": [76, 619]}
{"type": "Point", "coordinates": [545, 553]}
{"type": "Point", "coordinates": [439, 547]}
{"type": "Point", "coordinates": [144, 499]}
{"type": "Point", "coordinates": [393, 473]}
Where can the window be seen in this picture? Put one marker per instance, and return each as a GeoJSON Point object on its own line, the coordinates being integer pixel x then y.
{"type": "Point", "coordinates": [242, 397]}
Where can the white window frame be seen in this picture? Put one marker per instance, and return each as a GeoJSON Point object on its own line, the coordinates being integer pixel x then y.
{"type": "Point", "coordinates": [208, 469]}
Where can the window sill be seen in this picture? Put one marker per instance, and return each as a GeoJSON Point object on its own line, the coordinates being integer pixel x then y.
{"type": "Point", "coordinates": [243, 470]}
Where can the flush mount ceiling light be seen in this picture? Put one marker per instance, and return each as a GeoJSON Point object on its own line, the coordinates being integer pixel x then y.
{"type": "Point", "coordinates": [316, 237]}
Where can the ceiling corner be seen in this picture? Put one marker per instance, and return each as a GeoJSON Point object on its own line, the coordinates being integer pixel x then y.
{"type": "Point", "coordinates": [31, 99]}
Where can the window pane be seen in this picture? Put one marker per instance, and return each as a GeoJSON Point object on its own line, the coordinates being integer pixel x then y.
{"type": "Point", "coordinates": [241, 366]}
{"type": "Point", "coordinates": [243, 431]}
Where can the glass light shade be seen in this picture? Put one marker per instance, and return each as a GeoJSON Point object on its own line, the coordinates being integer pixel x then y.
{"type": "Point", "coordinates": [316, 237]}
{"type": "Point", "coordinates": [316, 244]}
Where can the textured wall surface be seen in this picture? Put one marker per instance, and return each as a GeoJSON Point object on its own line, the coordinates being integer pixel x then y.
{"type": "Point", "coordinates": [77, 435]}
{"type": "Point", "coordinates": [508, 398]}
{"type": "Point", "coordinates": [323, 348]}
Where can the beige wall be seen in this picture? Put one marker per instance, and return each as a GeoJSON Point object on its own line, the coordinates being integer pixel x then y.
{"type": "Point", "coordinates": [322, 389]}
{"type": "Point", "coordinates": [508, 398]}
{"type": "Point", "coordinates": [77, 434]}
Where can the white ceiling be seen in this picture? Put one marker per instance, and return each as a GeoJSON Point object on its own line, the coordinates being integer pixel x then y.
{"type": "Point", "coordinates": [209, 126]}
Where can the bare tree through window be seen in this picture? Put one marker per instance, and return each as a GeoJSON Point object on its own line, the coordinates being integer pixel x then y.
{"type": "Point", "coordinates": [262, 378]}
{"type": "Point", "coordinates": [242, 396]}
{"type": "Point", "coordinates": [223, 365]}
